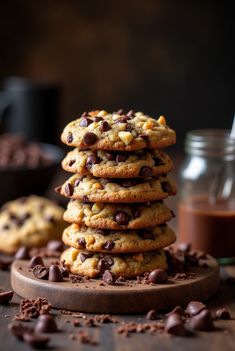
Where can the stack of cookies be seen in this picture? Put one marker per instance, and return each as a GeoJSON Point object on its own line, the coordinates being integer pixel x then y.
{"type": "Point", "coordinates": [118, 219]}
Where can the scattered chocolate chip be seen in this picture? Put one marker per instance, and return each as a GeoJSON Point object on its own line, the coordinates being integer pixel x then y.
{"type": "Point", "coordinates": [41, 272]}
{"type": "Point", "coordinates": [36, 260]}
{"type": "Point", "coordinates": [145, 172]}
{"type": "Point", "coordinates": [36, 341]}
{"type": "Point", "coordinates": [145, 137]}
{"type": "Point", "coordinates": [194, 307]}
{"type": "Point", "coordinates": [104, 127]}
{"type": "Point", "coordinates": [5, 297]}
{"type": "Point", "coordinates": [46, 324]}
{"type": "Point", "coordinates": [69, 138]}
{"type": "Point", "coordinates": [90, 138]}
{"type": "Point", "coordinates": [91, 160]}
{"type": "Point", "coordinates": [68, 189]}
{"type": "Point", "coordinates": [98, 119]}
{"type": "Point", "coordinates": [122, 218]}
{"type": "Point", "coordinates": [136, 212]}
{"type": "Point", "coordinates": [174, 325]}
{"type": "Point", "coordinates": [158, 276]}
{"type": "Point", "coordinates": [109, 245]}
{"type": "Point", "coordinates": [202, 321]}
{"type": "Point", "coordinates": [85, 121]}
{"type": "Point", "coordinates": [151, 315]}
{"type": "Point", "coordinates": [121, 158]}
{"type": "Point", "coordinates": [166, 187]}
{"type": "Point", "coordinates": [223, 313]}
{"type": "Point", "coordinates": [55, 245]}
{"type": "Point", "coordinates": [108, 278]}
{"type": "Point", "coordinates": [55, 274]}
{"type": "Point", "coordinates": [82, 242]}
{"type": "Point", "coordinates": [84, 256]}
{"type": "Point", "coordinates": [18, 329]}
{"type": "Point", "coordinates": [110, 155]}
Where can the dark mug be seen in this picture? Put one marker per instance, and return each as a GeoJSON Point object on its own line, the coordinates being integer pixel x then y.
{"type": "Point", "coordinates": [29, 108]}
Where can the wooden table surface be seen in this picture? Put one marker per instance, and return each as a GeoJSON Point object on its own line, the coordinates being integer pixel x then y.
{"type": "Point", "coordinates": [108, 339]}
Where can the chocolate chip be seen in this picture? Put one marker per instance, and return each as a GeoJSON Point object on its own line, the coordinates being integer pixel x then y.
{"type": "Point", "coordinates": [84, 256]}
{"type": "Point", "coordinates": [184, 247]}
{"type": "Point", "coordinates": [55, 245]}
{"type": "Point", "coordinates": [90, 138]}
{"type": "Point", "coordinates": [69, 138]}
{"type": "Point", "coordinates": [41, 272]}
{"type": "Point", "coordinates": [109, 245]}
{"type": "Point", "coordinates": [22, 253]}
{"type": "Point", "coordinates": [158, 276]}
{"type": "Point", "coordinates": [65, 272]}
{"type": "Point", "coordinates": [151, 315]}
{"type": "Point", "coordinates": [122, 218]}
{"type": "Point", "coordinates": [71, 162]}
{"type": "Point", "coordinates": [18, 329]}
{"type": "Point", "coordinates": [129, 128]}
{"type": "Point", "coordinates": [77, 182]}
{"type": "Point", "coordinates": [46, 324]}
{"type": "Point", "coordinates": [119, 112]}
{"type": "Point", "coordinates": [136, 212]}
{"type": "Point", "coordinates": [145, 172]}
{"type": "Point", "coordinates": [82, 242]}
{"type": "Point", "coordinates": [55, 274]}
{"type": "Point", "coordinates": [130, 113]}
{"type": "Point", "coordinates": [158, 162]}
{"type": "Point", "coordinates": [68, 189]}
{"type": "Point", "coordinates": [110, 155]}
{"type": "Point", "coordinates": [128, 183]}
{"type": "Point", "coordinates": [104, 127]}
{"type": "Point", "coordinates": [36, 260]}
{"type": "Point", "coordinates": [121, 158]}
{"type": "Point", "coordinates": [146, 234]}
{"type": "Point", "coordinates": [5, 297]}
{"type": "Point", "coordinates": [50, 218]}
{"type": "Point", "coordinates": [104, 263]}
{"type": "Point", "coordinates": [102, 231]}
{"type": "Point", "coordinates": [98, 119]}
{"type": "Point", "coordinates": [35, 340]}
{"type": "Point", "coordinates": [174, 325]}
{"type": "Point", "coordinates": [85, 121]}
{"type": "Point", "coordinates": [57, 189]}
{"type": "Point", "coordinates": [85, 199]}
{"type": "Point", "coordinates": [223, 313]}
{"type": "Point", "coordinates": [177, 309]}
{"type": "Point", "coordinates": [5, 263]}
{"type": "Point", "coordinates": [202, 321]}
{"type": "Point", "coordinates": [91, 160]}
{"type": "Point", "coordinates": [108, 278]}
{"type": "Point", "coordinates": [191, 260]}
{"type": "Point", "coordinates": [194, 307]}
{"type": "Point", "coordinates": [145, 137]}
{"type": "Point", "coordinates": [122, 119]}
{"type": "Point", "coordinates": [166, 187]}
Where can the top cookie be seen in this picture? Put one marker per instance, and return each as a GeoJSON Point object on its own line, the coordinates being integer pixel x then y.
{"type": "Point", "coordinates": [100, 130]}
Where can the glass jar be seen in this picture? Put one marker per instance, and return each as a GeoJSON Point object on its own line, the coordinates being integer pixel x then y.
{"type": "Point", "coordinates": [206, 216]}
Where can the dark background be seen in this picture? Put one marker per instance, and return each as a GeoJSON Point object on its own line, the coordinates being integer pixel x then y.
{"type": "Point", "coordinates": [162, 57]}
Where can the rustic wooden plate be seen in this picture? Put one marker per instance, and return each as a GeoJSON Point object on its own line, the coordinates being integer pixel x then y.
{"type": "Point", "coordinates": [92, 297]}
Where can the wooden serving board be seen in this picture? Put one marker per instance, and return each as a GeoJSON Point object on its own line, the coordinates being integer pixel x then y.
{"type": "Point", "coordinates": [91, 297]}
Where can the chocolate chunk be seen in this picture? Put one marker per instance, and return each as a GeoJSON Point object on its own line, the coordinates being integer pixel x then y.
{"type": "Point", "coordinates": [166, 187]}
{"type": "Point", "coordinates": [91, 160]}
{"type": "Point", "coordinates": [35, 340]}
{"type": "Point", "coordinates": [122, 119]}
{"type": "Point", "coordinates": [69, 137]}
{"type": "Point", "coordinates": [104, 127]}
{"type": "Point", "coordinates": [202, 321]}
{"type": "Point", "coordinates": [158, 276]}
{"type": "Point", "coordinates": [77, 182]}
{"type": "Point", "coordinates": [174, 325]}
{"type": "Point", "coordinates": [105, 263]}
{"type": "Point", "coordinates": [90, 138]}
{"type": "Point", "coordinates": [121, 158]}
{"type": "Point", "coordinates": [68, 189]}
{"type": "Point", "coordinates": [194, 307]}
{"type": "Point", "coordinates": [151, 315]}
{"type": "Point", "coordinates": [85, 199]}
{"type": "Point", "coordinates": [36, 260]}
{"type": "Point", "coordinates": [18, 329]}
{"type": "Point", "coordinates": [85, 121]}
{"type": "Point", "coordinates": [145, 172]}
{"type": "Point", "coordinates": [5, 297]}
{"type": "Point", "coordinates": [110, 155]}
{"type": "Point", "coordinates": [108, 278]}
{"type": "Point", "coordinates": [98, 119]}
{"type": "Point", "coordinates": [55, 245]}
{"type": "Point", "coordinates": [136, 212]}
{"type": "Point", "coordinates": [46, 324]}
{"type": "Point", "coordinates": [22, 253]}
{"type": "Point", "coordinates": [82, 242]}
{"type": "Point", "coordinates": [145, 137]}
{"type": "Point", "coordinates": [130, 113]}
{"type": "Point", "coordinates": [122, 218]}
{"type": "Point", "coordinates": [84, 256]}
{"type": "Point", "coordinates": [158, 162]}
{"type": "Point", "coordinates": [223, 313]}
{"type": "Point", "coordinates": [41, 272]}
{"type": "Point", "coordinates": [55, 274]}
{"type": "Point", "coordinates": [109, 245]}
{"type": "Point", "coordinates": [71, 162]}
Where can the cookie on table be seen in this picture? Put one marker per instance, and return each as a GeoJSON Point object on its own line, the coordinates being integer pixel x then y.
{"type": "Point", "coordinates": [112, 164]}
{"type": "Point", "coordinates": [126, 265]}
{"type": "Point", "coordinates": [100, 130]}
{"type": "Point", "coordinates": [97, 240]}
{"type": "Point", "coordinates": [117, 217]}
{"type": "Point", "coordinates": [91, 189]}
{"type": "Point", "coordinates": [30, 221]}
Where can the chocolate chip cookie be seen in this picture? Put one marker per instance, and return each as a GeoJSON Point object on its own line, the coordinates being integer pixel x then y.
{"type": "Point", "coordinates": [97, 240]}
{"type": "Point", "coordinates": [125, 265]}
{"type": "Point", "coordinates": [100, 130]}
{"type": "Point", "coordinates": [31, 221]}
{"type": "Point", "coordinates": [117, 217]}
{"type": "Point", "coordinates": [111, 164]}
{"type": "Point", "coordinates": [91, 189]}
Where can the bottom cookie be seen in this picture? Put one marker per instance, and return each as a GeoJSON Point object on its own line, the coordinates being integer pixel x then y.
{"type": "Point", "coordinates": [126, 265]}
